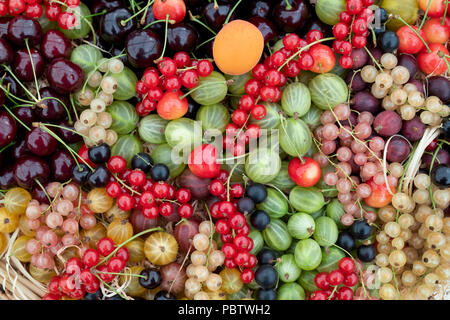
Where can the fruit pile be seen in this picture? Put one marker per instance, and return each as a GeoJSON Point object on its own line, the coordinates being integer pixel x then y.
{"type": "Point", "coordinates": [225, 150]}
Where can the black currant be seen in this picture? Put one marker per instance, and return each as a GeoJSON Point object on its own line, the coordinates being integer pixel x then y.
{"type": "Point", "coordinates": [266, 294]}
{"type": "Point", "coordinates": [366, 253]}
{"type": "Point", "coordinates": [361, 230]}
{"type": "Point", "coordinates": [98, 295]}
{"type": "Point", "coordinates": [99, 154]}
{"type": "Point", "coordinates": [441, 175]}
{"type": "Point", "coordinates": [80, 173]}
{"type": "Point", "coordinates": [266, 276]}
{"type": "Point", "coordinates": [257, 192]}
{"type": "Point", "coordinates": [267, 256]}
{"type": "Point", "coordinates": [346, 241]}
{"type": "Point", "coordinates": [160, 172]}
{"type": "Point", "coordinates": [260, 219]}
{"type": "Point", "coordinates": [245, 205]}
{"type": "Point", "coordinates": [99, 178]}
{"type": "Point", "coordinates": [164, 295]}
{"type": "Point", "coordinates": [152, 278]}
{"type": "Point", "coordinates": [142, 161]}
{"type": "Point", "coordinates": [381, 15]}
{"type": "Point", "coordinates": [445, 129]}
{"type": "Point", "coordinates": [388, 41]}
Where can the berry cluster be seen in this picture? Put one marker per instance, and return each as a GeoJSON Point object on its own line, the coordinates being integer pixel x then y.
{"type": "Point", "coordinates": [337, 284]}
{"type": "Point", "coordinates": [34, 9]}
{"type": "Point", "coordinates": [133, 190]}
{"type": "Point", "coordinates": [86, 274]}
{"type": "Point", "coordinates": [167, 80]}
{"type": "Point", "coordinates": [352, 30]}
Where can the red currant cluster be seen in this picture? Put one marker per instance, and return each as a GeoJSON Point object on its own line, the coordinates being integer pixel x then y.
{"type": "Point", "coordinates": [133, 190]}
{"type": "Point", "coordinates": [85, 274]}
{"type": "Point", "coordinates": [336, 285]}
{"type": "Point", "coordinates": [352, 30]}
{"type": "Point", "coordinates": [34, 9]}
{"type": "Point", "coordinates": [233, 228]}
{"type": "Point", "coordinates": [169, 76]}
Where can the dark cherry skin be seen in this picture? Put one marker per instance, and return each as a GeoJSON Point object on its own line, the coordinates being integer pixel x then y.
{"type": "Point", "coordinates": [181, 37]}
{"type": "Point", "coordinates": [215, 18]}
{"type": "Point", "coordinates": [14, 87]}
{"type": "Point", "coordinates": [116, 51]}
{"type": "Point", "coordinates": [6, 53]}
{"type": "Point", "coordinates": [61, 164]}
{"type": "Point", "coordinates": [51, 109]}
{"type": "Point", "coordinates": [316, 24]}
{"type": "Point", "coordinates": [267, 28]}
{"type": "Point", "coordinates": [25, 114]}
{"type": "Point", "coordinates": [65, 76]}
{"type": "Point", "coordinates": [260, 8]}
{"type": "Point", "coordinates": [192, 108]}
{"type": "Point", "coordinates": [143, 47]}
{"type": "Point", "coordinates": [20, 149]}
{"type": "Point", "coordinates": [149, 18]}
{"type": "Point", "coordinates": [102, 44]}
{"type": "Point", "coordinates": [8, 128]}
{"type": "Point", "coordinates": [21, 28]}
{"type": "Point", "coordinates": [7, 179]}
{"type": "Point", "coordinates": [4, 23]}
{"type": "Point", "coordinates": [40, 142]}
{"type": "Point", "coordinates": [55, 45]}
{"type": "Point", "coordinates": [38, 194]}
{"type": "Point", "coordinates": [293, 18]}
{"type": "Point", "coordinates": [111, 29]}
{"type": "Point", "coordinates": [99, 177]}
{"type": "Point", "coordinates": [2, 97]}
{"type": "Point", "coordinates": [67, 135]}
{"type": "Point", "coordinates": [23, 66]}
{"type": "Point", "coordinates": [29, 169]}
{"type": "Point", "coordinates": [108, 5]}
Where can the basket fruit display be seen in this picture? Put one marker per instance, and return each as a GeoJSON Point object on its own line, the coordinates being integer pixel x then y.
{"type": "Point", "coordinates": [224, 150]}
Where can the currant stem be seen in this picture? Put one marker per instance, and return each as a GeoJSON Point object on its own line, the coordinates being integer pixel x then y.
{"type": "Point", "coordinates": [125, 185]}
{"type": "Point", "coordinates": [123, 274]}
{"type": "Point", "coordinates": [165, 40]}
{"type": "Point", "coordinates": [229, 179]}
{"type": "Point", "coordinates": [211, 234]}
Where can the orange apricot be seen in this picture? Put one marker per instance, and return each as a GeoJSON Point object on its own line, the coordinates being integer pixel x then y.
{"type": "Point", "coordinates": [238, 47]}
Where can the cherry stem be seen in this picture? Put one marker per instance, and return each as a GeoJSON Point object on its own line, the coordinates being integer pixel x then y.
{"type": "Point", "coordinates": [123, 274]}
{"type": "Point", "coordinates": [7, 146]}
{"type": "Point", "coordinates": [40, 104]}
{"type": "Point", "coordinates": [73, 107]}
{"type": "Point", "coordinates": [205, 42]}
{"type": "Point", "coordinates": [426, 14]}
{"type": "Point", "coordinates": [165, 40]}
{"type": "Point", "coordinates": [68, 129]}
{"type": "Point", "coordinates": [155, 22]}
{"type": "Point", "coordinates": [445, 13]}
{"type": "Point", "coordinates": [414, 30]}
{"type": "Point", "coordinates": [211, 234]}
{"type": "Point", "coordinates": [19, 82]}
{"type": "Point", "coordinates": [232, 10]}
{"type": "Point", "coordinates": [96, 14]}
{"type": "Point", "coordinates": [216, 6]}
{"type": "Point", "coordinates": [124, 22]}
{"type": "Point", "coordinates": [127, 241]}
{"type": "Point", "coordinates": [193, 18]}
{"type": "Point", "coordinates": [16, 118]}
{"type": "Point", "coordinates": [229, 179]}
{"type": "Point", "coordinates": [45, 191]}
{"type": "Point", "coordinates": [304, 49]}
{"type": "Point", "coordinates": [373, 59]}
{"type": "Point", "coordinates": [12, 97]}
{"type": "Point", "coordinates": [33, 69]}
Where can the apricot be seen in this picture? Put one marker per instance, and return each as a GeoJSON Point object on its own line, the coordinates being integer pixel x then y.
{"type": "Point", "coordinates": [238, 47]}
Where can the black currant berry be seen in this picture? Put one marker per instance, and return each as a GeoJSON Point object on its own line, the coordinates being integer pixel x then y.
{"type": "Point", "coordinates": [267, 256]}
{"type": "Point", "coordinates": [257, 192]}
{"type": "Point", "coordinates": [152, 278]}
{"type": "Point", "coordinates": [164, 295]}
{"type": "Point", "coordinates": [388, 41]}
{"type": "Point", "coordinates": [260, 219]}
{"type": "Point", "coordinates": [441, 175]}
{"type": "Point", "coordinates": [99, 154]}
{"type": "Point", "coordinates": [98, 295]}
{"type": "Point", "coordinates": [346, 241]}
{"type": "Point", "coordinates": [266, 294]}
{"type": "Point", "coordinates": [245, 205]}
{"type": "Point", "coordinates": [80, 173]}
{"type": "Point", "coordinates": [99, 178]}
{"type": "Point", "coordinates": [160, 172]}
{"type": "Point", "coordinates": [142, 161]}
{"type": "Point", "coordinates": [366, 253]}
{"type": "Point", "coordinates": [266, 276]}
{"type": "Point", "coordinates": [361, 230]}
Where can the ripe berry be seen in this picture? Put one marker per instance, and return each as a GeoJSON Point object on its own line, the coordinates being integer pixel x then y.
{"type": "Point", "coordinates": [313, 36]}
{"type": "Point", "coordinates": [321, 281]}
{"type": "Point", "coordinates": [115, 265]}
{"type": "Point", "coordinates": [117, 164]}
{"type": "Point", "coordinates": [160, 190]}
{"type": "Point", "coordinates": [351, 280]}
{"type": "Point", "coordinates": [359, 26]}
{"type": "Point", "coordinates": [354, 6]}
{"type": "Point", "coordinates": [151, 78]}
{"type": "Point", "coordinates": [204, 68]}
{"type": "Point", "coordinates": [167, 67]}
{"type": "Point", "coordinates": [151, 212]}
{"type": "Point", "coordinates": [125, 202]}
{"type": "Point", "coordinates": [247, 102]}
{"type": "Point", "coordinates": [359, 41]}
{"type": "Point", "coordinates": [222, 226]}
{"type": "Point", "coordinates": [241, 242]}
{"type": "Point", "coordinates": [123, 254]}
{"type": "Point", "coordinates": [259, 112]}
{"type": "Point", "coordinates": [239, 117]}
{"type": "Point", "coordinates": [105, 246]}
{"type": "Point", "coordinates": [113, 189]}
{"type": "Point", "coordinates": [345, 17]}
{"type": "Point", "coordinates": [237, 190]}
{"type": "Point", "coordinates": [182, 59]}
{"type": "Point", "coordinates": [237, 221]}
{"type": "Point", "coordinates": [247, 275]}
{"type": "Point", "coordinates": [346, 62]}
{"type": "Point", "coordinates": [229, 250]}
{"type": "Point", "coordinates": [183, 195]}
{"type": "Point", "coordinates": [241, 258]}
{"type": "Point", "coordinates": [306, 61]}
{"type": "Point", "coordinates": [347, 265]}
{"type": "Point", "coordinates": [165, 209]}
{"type": "Point", "coordinates": [272, 78]}
{"type": "Point", "coordinates": [136, 178]}
{"type": "Point", "coordinates": [216, 187]}
{"type": "Point", "coordinates": [291, 41]}
{"type": "Point", "coordinates": [344, 293]}
{"type": "Point", "coordinates": [340, 31]}
{"type": "Point", "coordinates": [335, 277]}
{"type": "Point", "coordinates": [189, 79]}
{"type": "Point", "coordinates": [278, 58]}
{"type": "Point", "coordinates": [185, 211]}
{"type": "Point", "coordinates": [259, 70]}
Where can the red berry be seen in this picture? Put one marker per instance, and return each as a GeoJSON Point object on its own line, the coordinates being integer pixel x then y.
{"type": "Point", "coordinates": [345, 48]}
{"type": "Point", "coordinates": [172, 83]}
{"type": "Point", "coordinates": [368, 3]}
{"type": "Point", "coordinates": [66, 20]}
{"type": "Point", "coordinates": [247, 102]}
{"type": "Point", "coordinates": [165, 209]}
{"type": "Point", "coordinates": [252, 261]}
{"type": "Point", "coordinates": [245, 230]}
{"type": "Point", "coordinates": [16, 7]}
{"type": "Point", "coordinates": [359, 26]}
{"type": "Point", "coordinates": [53, 285]}
{"type": "Point", "coordinates": [272, 78]}
{"type": "Point", "coordinates": [91, 257]}
{"type": "Point", "coordinates": [247, 275]}
{"type": "Point", "coordinates": [229, 250]}
{"type": "Point", "coordinates": [141, 88]}
{"type": "Point", "coordinates": [252, 88]}
{"type": "Point", "coordinates": [335, 277]}
{"type": "Point", "coordinates": [345, 17]}
{"type": "Point", "coordinates": [204, 68]}
{"type": "Point", "coordinates": [226, 238]}
{"type": "Point", "coordinates": [347, 265]}
{"type": "Point", "coordinates": [125, 202]}
{"type": "Point", "coordinates": [151, 79]}
{"type": "Point", "coordinates": [160, 190]}
{"type": "Point", "coordinates": [259, 112]}
{"type": "Point", "coordinates": [242, 242]}
{"type": "Point", "coordinates": [115, 265]}
{"type": "Point", "coordinates": [103, 275]}
{"type": "Point", "coordinates": [185, 211]}
{"type": "Point", "coordinates": [34, 11]}
{"type": "Point", "coordinates": [151, 212]}
{"type": "Point", "coordinates": [313, 36]}
{"type": "Point", "coordinates": [93, 286]}
{"type": "Point", "coordinates": [432, 146]}
{"type": "Point", "coordinates": [291, 41]}
{"type": "Point", "coordinates": [259, 70]}
{"type": "Point", "coordinates": [346, 62]}
{"type": "Point", "coordinates": [292, 69]}
{"type": "Point", "coordinates": [123, 254]}
{"type": "Point", "coordinates": [278, 58]}
{"type": "Point", "coordinates": [239, 117]}
{"type": "Point", "coordinates": [351, 280]}
{"type": "Point", "coordinates": [189, 79]}
{"type": "Point", "coordinates": [223, 174]}
{"type": "Point", "coordinates": [237, 221]}
{"type": "Point", "coordinates": [137, 178]}
{"type": "Point", "coordinates": [237, 190]}
{"type": "Point", "coordinates": [117, 164]}
{"type": "Point", "coordinates": [229, 263]}
{"type": "Point", "coordinates": [319, 295]}
{"type": "Point", "coordinates": [74, 266]}
{"type": "Point", "coordinates": [167, 67]}
{"type": "Point", "coordinates": [359, 41]}
{"type": "Point", "coordinates": [182, 59]}
{"type": "Point", "coordinates": [216, 187]}
{"type": "Point", "coordinates": [105, 246]}
{"type": "Point", "coordinates": [183, 195]}
{"type": "Point", "coordinates": [321, 281]}
{"type": "Point", "coordinates": [354, 6]}
{"type": "Point", "coordinates": [113, 189]}
{"type": "Point", "coordinates": [222, 226]}
{"type": "Point", "coordinates": [306, 61]}
{"type": "Point", "coordinates": [241, 258]}
{"type": "Point", "coordinates": [67, 283]}
{"type": "Point", "coordinates": [344, 293]}
{"type": "Point", "coordinates": [341, 30]}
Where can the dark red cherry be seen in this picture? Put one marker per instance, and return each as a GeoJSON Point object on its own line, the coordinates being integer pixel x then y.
{"type": "Point", "coordinates": [25, 114]}
{"type": "Point", "coordinates": [55, 45]}
{"type": "Point", "coordinates": [39, 194]}
{"type": "Point", "coordinates": [20, 149]}
{"type": "Point", "coordinates": [267, 28]}
{"type": "Point", "coordinates": [7, 179]}
{"type": "Point", "coordinates": [6, 53]}
{"type": "Point", "coordinates": [51, 109]}
{"type": "Point", "coordinates": [215, 18]}
{"type": "Point", "coordinates": [4, 23]}
{"type": "Point", "coordinates": [61, 164]}
{"type": "Point", "coordinates": [65, 76]}
{"type": "Point", "coordinates": [260, 8]}
{"type": "Point", "coordinates": [149, 18]}
{"type": "Point", "coordinates": [111, 28]}
{"type": "Point", "coordinates": [11, 83]}
{"type": "Point", "coordinates": [290, 15]}
{"type": "Point", "coordinates": [181, 37]}
{"type": "Point", "coordinates": [8, 128]}
{"type": "Point", "coordinates": [21, 28]}
{"type": "Point", "coordinates": [316, 24]}
{"type": "Point", "coordinates": [23, 66]}
{"type": "Point", "coordinates": [143, 47]}
{"type": "Point", "coordinates": [67, 135]}
{"type": "Point", "coordinates": [108, 5]}
{"type": "Point", "coordinates": [40, 142]}
{"type": "Point", "coordinates": [29, 169]}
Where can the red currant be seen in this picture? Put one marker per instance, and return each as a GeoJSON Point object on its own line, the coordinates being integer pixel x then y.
{"type": "Point", "coordinates": [182, 59]}
{"type": "Point", "coordinates": [229, 264]}
{"type": "Point", "coordinates": [204, 68]}
{"type": "Point", "coordinates": [292, 69]}
{"type": "Point", "coordinates": [151, 212]}
{"type": "Point", "coordinates": [359, 26]}
{"type": "Point", "coordinates": [237, 221]}
{"type": "Point", "coordinates": [237, 190]}
{"type": "Point", "coordinates": [335, 277]}
{"type": "Point", "coordinates": [74, 266]}
{"type": "Point", "coordinates": [354, 6]}
{"type": "Point", "coordinates": [137, 178]}
{"type": "Point", "coordinates": [346, 62]}
{"type": "Point", "coordinates": [160, 190]}
{"type": "Point", "coordinates": [239, 117]}
{"type": "Point", "coordinates": [167, 67]}
{"type": "Point", "coordinates": [345, 17]}
{"type": "Point", "coordinates": [351, 280]}
{"type": "Point", "coordinates": [313, 36]}
{"type": "Point", "coordinates": [241, 242]}
{"type": "Point", "coordinates": [105, 246]}
{"type": "Point", "coordinates": [241, 258]}
{"type": "Point", "coordinates": [222, 226]}
{"type": "Point", "coordinates": [229, 250]}
{"type": "Point", "coordinates": [306, 61]}
{"type": "Point", "coordinates": [53, 285]}
{"type": "Point", "coordinates": [165, 209]}
{"type": "Point", "coordinates": [123, 254]}
{"type": "Point", "coordinates": [185, 211]}
{"type": "Point", "coordinates": [226, 238]}
{"type": "Point", "coordinates": [291, 41]}
{"type": "Point", "coordinates": [259, 71]}
{"type": "Point", "coordinates": [272, 78]}
{"type": "Point", "coordinates": [247, 275]}
{"type": "Point", "coordinates": [216, 187]}
{"type": "Point", "coordinates": [113, 189]}
{"type": "Point", "coordinates": [321, 281]}
{"type": "Point", "coordinates": [172, 83]}
{"type": "Point", "coordinates": [278, 58]}
{"type": "Point", "coordinates": [125, 202]}
{"type": "Point", "coordinates": [34, 11]}
{"type": "Point", "coordinates": [91, 257]}
{"type": "Point", "coordinates": [189, 79]}
{"type": "Point", "coordinates": [66, 20]}
{"type": "Point", "coordinates": [247, 102]}
{"type": "Point", "coordinates": [252, 88]}
{"type": "Point", "coordinates": [259, 112]}
{"type": "Point", "coordinates": [117, 164]}
{"type": "Point", "coordinates": [344, 293]}
{"type": "Point", "coordinates": [115, 265]}
{"type": "Point", "coordinates": [347, 265]}
{"type": "Point", "coordinates": [340, 31]}
{"type": "Point", "coordinates": [359, 41]}
{"type": "Point", "coordinates": [183, 195]}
